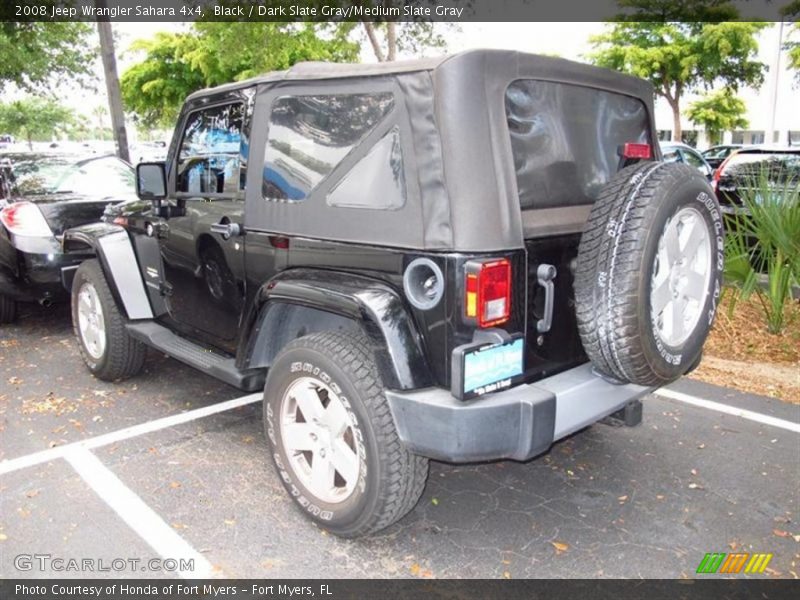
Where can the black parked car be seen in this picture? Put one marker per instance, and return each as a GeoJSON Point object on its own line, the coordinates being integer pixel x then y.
{"type": "Point", "coordinates": [742, 170]}
{"type": "Point", "coordinates": [45, 194]}
{"type": "Point", "coordinates": [462, 258]}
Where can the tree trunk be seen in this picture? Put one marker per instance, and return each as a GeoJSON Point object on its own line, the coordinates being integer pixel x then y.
{"type": "Point", "coordinates": [30, 140]}
{"type": "Point", "coordinates": [676, 121]}
{"type": "Point", "coordinates": [112, 85]}
{"type": "Point", "coordinates": [391, 38]}
{"type": "Point", "coordinates": [373, 40]}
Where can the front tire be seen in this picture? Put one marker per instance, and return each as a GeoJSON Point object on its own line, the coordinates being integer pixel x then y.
{"type": "Point", "coordinates": [105, 345]}
{"type": "Point", "coordinates": [332, 437]}
{"type": "Point", "coordinates": [8, 310]}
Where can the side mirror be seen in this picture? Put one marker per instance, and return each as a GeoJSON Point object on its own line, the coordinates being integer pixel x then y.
{"type": "Point", "coordinates": [151, 181]}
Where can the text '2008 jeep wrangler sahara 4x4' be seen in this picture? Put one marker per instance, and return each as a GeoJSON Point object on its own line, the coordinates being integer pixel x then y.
{"type": "Point", "coordinates": [462, 259]}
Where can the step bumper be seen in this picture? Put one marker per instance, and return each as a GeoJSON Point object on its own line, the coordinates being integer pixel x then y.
{"type": "Point", "coordinates": [517, 424]}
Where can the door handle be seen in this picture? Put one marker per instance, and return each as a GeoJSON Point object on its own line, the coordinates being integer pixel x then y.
{"type": "Point", "coordinates": [227, 230]}
{"type": "Point", "coordinates": [545, 275]}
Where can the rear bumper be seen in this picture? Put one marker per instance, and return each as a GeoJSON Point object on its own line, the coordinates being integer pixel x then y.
{"type": "Point", "coordinates": [12, 287]}
{"type": "Point", "coordinates": [519, 423]}
{"type": "Point", "coordinates": [39, 279]}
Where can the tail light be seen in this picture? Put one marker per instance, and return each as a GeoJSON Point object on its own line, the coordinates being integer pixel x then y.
{"type": "Point", "coordinates": [631, 150]}
{"type": "Point", "coordinates": [718, 173]}
{"type": "Point", "coordinates": [488, 292]}
{"type": "Point", "coordinates": [25, 218]}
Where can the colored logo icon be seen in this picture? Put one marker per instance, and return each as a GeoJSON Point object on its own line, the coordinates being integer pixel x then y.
{"type": "Point", "coordinates": [741, 562]}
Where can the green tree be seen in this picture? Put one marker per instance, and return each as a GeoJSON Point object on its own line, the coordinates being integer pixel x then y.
{"type": "Point", "coordinates": [36, 55]}
{"type": "Point", "coordinates": [793, 49]}
{"type": "Point", "coordinates": [34, 118]}
{"type": "Point", "coordinates": [791, 10]}
{"type": "Point", "coordinates": [413, 37]}
{"type": "Point", "coordinates": [154, 88]}
{"type": "Point", "coordinates": [679, 57]}
{"type": "Point", "coordinates": [718, 111]}
{"type": "Point", "coordinates": [213, 53]}
{"type": "Point", "coordinates": [686, 11]}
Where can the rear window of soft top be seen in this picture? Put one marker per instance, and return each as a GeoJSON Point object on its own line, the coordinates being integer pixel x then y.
{"type": "Point", "coordinates": [565, 139]}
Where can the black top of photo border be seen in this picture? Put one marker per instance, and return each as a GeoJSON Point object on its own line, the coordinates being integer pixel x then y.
{"type": "Point", "coordinates": [398, 10]}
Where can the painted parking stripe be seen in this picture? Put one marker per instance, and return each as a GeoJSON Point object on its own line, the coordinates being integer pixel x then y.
{"type": "Point", "coordinates": [728, 410]}
{"type": "Point", "coordinates": [14, 464]}
{"type": "Point", "coordinates": [142, 519]}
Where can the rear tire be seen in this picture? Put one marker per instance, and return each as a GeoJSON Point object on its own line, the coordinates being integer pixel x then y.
{"type": "Point", "coordinates": [105, 345]}
{"type": "Point", "coordinates": [325, 384]}
{"type": "Point", "coordinates": [8, 310]}
{"type": "Point", "coordinates": [649, 273]}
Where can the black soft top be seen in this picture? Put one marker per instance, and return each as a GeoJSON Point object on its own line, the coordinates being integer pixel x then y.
{"type": "Point", "coordinates": [468, 64]}
{"type": "Point", "coordinates": [463, 191]}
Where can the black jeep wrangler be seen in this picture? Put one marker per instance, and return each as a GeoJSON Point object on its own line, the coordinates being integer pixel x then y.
{"type": "Point", "coordinates": [462, 259]}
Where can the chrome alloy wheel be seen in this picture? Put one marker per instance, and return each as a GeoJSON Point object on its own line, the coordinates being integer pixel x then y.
{"type": "Point", "coordinates": [214, 279]}
{"type": "Point", "coordinates": [319, 439]}
{"type": "Point", "coordinates": [91, 323]}
{"type": "Point", "coordinates": [679, 286]}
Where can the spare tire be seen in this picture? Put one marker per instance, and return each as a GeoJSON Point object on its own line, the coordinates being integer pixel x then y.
{"type": "Point", "coordinates": [649, 272]}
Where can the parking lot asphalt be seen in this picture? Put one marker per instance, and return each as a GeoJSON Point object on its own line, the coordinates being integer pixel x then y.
{"type": "Point", "coordinates": [648, 501]}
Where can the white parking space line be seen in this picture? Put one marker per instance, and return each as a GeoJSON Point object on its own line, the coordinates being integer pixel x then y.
{"type": "Point", "coordinates": [14, 464]}
{"type": "Point", "coordinates": [728, 410]}
{"type": "Point", "coordinates": [142, 519]}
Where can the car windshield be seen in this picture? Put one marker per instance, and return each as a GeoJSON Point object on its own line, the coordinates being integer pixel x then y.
{"type": "Point", "coordinates": [718, 152]}
{"type": "Point", "coordinates": [778, 167]}
{"type": "Point", "coordinates": [36, 175]}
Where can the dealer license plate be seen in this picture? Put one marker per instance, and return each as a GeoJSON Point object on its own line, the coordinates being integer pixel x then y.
{"type": "Point", "coordinates": [492, 368]}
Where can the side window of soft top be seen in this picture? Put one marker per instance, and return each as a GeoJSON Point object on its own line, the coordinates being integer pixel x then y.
{"type": "Point", "coordinates": [310, 135]}
{"type": "Point", "coordinates": [209, 156]}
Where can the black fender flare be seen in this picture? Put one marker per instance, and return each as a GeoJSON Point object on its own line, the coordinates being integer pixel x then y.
{"type": "Point", "coordinates": [302, 301]}
{"type": "Point", "coordinates": [113, 248]}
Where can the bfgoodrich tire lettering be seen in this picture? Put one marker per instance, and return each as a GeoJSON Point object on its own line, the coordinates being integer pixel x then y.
{"type": "Point", "coordinates": [390, 479]}
{"type": "Point", "coordinates": [121, 356]}
{"type": "Point", "coordinates": [622, 259]}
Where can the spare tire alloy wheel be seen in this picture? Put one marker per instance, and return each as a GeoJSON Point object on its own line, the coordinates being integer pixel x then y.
{"type": "Point", "coordinates": [680, 282]}
{"type": "Point", "coordinates": [649, 273]}
{"type": "Point", "coordinates": [332, 437]}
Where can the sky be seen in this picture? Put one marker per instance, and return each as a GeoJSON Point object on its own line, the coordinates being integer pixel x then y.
{"type": "Point", "coordinates": [568, 40]}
